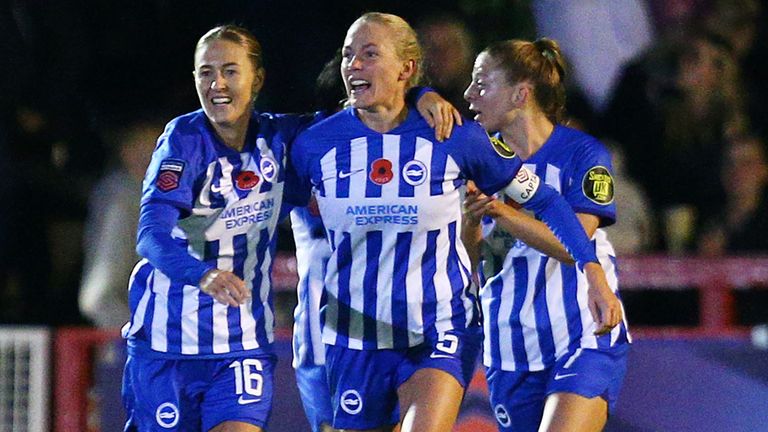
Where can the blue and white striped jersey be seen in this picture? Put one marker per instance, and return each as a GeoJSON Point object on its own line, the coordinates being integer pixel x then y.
{"type": "Point", "coordinates": [312, 254]}
{"type": "Point", "coordinates": [398, 271]}
{"type": "Point", "coordinates": [535, 308]}
{"type": "Point", "coordinates": [229, 202]}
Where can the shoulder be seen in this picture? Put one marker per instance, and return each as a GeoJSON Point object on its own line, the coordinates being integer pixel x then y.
{"type": "Point", "coordinates": [472, 138]}
{"type": "Point", "coordinates": [581, 142]}
{"type": "Point", "coordinates": [184, 130]}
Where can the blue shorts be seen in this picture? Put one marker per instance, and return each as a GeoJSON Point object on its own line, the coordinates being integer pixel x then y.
{"type": "Point", "coordinates": [193, 395]}
{"type": "Point", "coordinates": [315, 395]}
{"type": "Point", "coordinates": [364, 383]}
{"type": "Point", "coordinates": [517, 398]}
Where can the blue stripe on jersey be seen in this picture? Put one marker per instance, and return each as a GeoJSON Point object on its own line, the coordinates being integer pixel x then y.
{"type": "Point", "coordinates": [543, 326]}
{"type": "Point", "coordinates": [150, 313]}
{"type": "Point", "coordinates": [407, 153]}
{"type": "Point", "coordinates": [520, 266]}
{"type": "Point", "coordinates": [344, 257]}
{"type": "Point", "coordinates": [437, 168]}
{"type": "Point", "coordinates": [571, 305]}
{"type": "Point", "coordinates": [139, 280]}
{"type": "Point", "coordinates": [457, 282]}
{"type": "Point", "coordinates": [257, 307]}
{"type": "Point", "coordinates": [305, 335]}
{"type": "Point", "coordinates": [173, 330]}
{"type": "Point", "coordinates": [399, 294]}
{"type": "Point", "coordinates": [623, 333]}
{"type": "Point", "coordinates": [375, 151]}
{"type": "Point", "coordinates": [240, 246]}
{"type": "Point", "coordinates": [342, 164]}
{"type": "Point", "coordinates": [370, 299]}
{"type": "Point", "coordinates": [332, 241]}
{"type": "Point", "coordinates": [428, 270]}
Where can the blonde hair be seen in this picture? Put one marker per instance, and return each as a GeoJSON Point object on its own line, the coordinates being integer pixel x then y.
{"type": "Point", "coordinates": [405, 40]}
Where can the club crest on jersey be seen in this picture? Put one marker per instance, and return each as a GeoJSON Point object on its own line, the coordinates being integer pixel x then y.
{"type": "Point", "coordinates": [268, 168]}
{"type": "Point", "coordinates": [502, 149]}
{"type": "Point", "coordinates": [167, 415]}
{"type": "Point", "coordinates": [414, 172]}
{"type": "Point", "coordinates": [597, 185]}
{"type": "Point", "coordinates": [381, 171]}
{"type": "Point", "coordinates": [169, 174]}
{"type": "Point", "coordinates": [246, 180]}
{"type": "Point", "coordinates": [502, 416]}
{"type": "Point", "coordinates": [351, 402]}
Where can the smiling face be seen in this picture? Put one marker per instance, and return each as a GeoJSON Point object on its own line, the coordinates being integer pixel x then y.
{"type": "Point", "coordinates": [489, 95]}
{"type": "Point", "coordinates": [226, 82]}
{"type": "Point", "coordinates": [373, 73]}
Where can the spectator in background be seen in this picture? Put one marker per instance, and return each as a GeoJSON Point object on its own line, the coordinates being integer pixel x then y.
{"type": "Point", "coordinates": [110, 229]}
{"type": "Point", "coordinates": [741, 227]}
{"type": "Point", "coordinates": [448, 55]}
{"type": "Point", "coordinates": [633, 232]}
{"type": "Point", "coordinates": [597, 37]}
{"type": "Point", "coordinates": [673, 111]}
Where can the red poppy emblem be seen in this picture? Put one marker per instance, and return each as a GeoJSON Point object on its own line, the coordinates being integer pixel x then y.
{"type": "Point", "coordinates": [247, 180]}
{"type": "Point", "coordinates": [381, 171]}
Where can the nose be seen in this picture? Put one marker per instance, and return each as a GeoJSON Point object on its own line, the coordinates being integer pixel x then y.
{"type": "Point", "coordinates": [470, 93]}
{"type": "Point", "coordinates": [354, 62]}
{"type": "Point", "coordinates": [218, 82]}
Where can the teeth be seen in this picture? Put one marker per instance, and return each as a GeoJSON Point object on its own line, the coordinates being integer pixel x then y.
{"type": "Point", "coordinates": [358, 82]}
{"type": "Point", "coordinates": [221, 100]}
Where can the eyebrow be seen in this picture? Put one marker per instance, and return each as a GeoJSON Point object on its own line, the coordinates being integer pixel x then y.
{"type": "Point", "coordinates": [203, 66]}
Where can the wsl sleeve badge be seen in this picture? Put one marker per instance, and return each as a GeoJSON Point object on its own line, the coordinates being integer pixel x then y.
{"type": "Point", "coordinates": [598, 185]}
{"type": "Point", "coordinates": [169, 174]}
{"type": "Point", "coordinates": [501, 148]}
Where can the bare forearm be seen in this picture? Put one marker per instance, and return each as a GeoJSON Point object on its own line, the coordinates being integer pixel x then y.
{"type": "Point", "coordinates": [534, 233]}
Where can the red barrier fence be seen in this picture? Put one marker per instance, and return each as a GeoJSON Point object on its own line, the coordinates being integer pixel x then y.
{"type": "Point", "coordinates": [715, 279]}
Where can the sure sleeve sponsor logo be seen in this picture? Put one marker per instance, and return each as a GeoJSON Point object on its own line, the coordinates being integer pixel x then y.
{"type": "Point", "coordinates": [597, 185]}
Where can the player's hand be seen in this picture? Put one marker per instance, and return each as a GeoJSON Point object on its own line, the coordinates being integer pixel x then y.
{"type": "Point", "coordinates": [225, 287]}
{"type": "Point", "coordinates": [439, 114]}
{"type": "Point", "coordinates": [603, 304]}
{"type": "Point", "coordinates": [478, 204]}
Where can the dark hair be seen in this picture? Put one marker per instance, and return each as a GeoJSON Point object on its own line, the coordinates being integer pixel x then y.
{"type": "Point", "coordinates": [238, 35]}
{"type": "Point", "coordinates": [329, 87]}
{"type": "Point", "coordinates": [540, 62]}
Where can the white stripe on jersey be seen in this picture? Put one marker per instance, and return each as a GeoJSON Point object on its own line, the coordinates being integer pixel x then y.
{"type": "Point", "coordinates": [189, 321]}
{"type": "Point", "coordinates": [137, 320]}
{"type": "Point", "coordinates": [436, 213]}
{"type": "Point", "coordinates": [556, 306]}
{"type": "Point", "coordinates": [160, 286]}
{"type": "Point", "coordinates": [552, 176]}
{"type": "Point", "coordinates": [528, 319]}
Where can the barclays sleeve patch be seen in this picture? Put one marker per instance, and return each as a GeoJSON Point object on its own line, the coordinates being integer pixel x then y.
{"type": "Point", "coordinates": [169, 174]}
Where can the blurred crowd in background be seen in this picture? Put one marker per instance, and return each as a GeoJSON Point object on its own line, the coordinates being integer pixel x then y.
{"type": "Point", "coordinates": [676, 88]}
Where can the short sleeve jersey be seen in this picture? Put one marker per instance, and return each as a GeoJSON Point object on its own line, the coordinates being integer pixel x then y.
{"type": "Point", "coordinates": [398, 272]}
{"type": "Point", "coordinates": [535, 308]}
